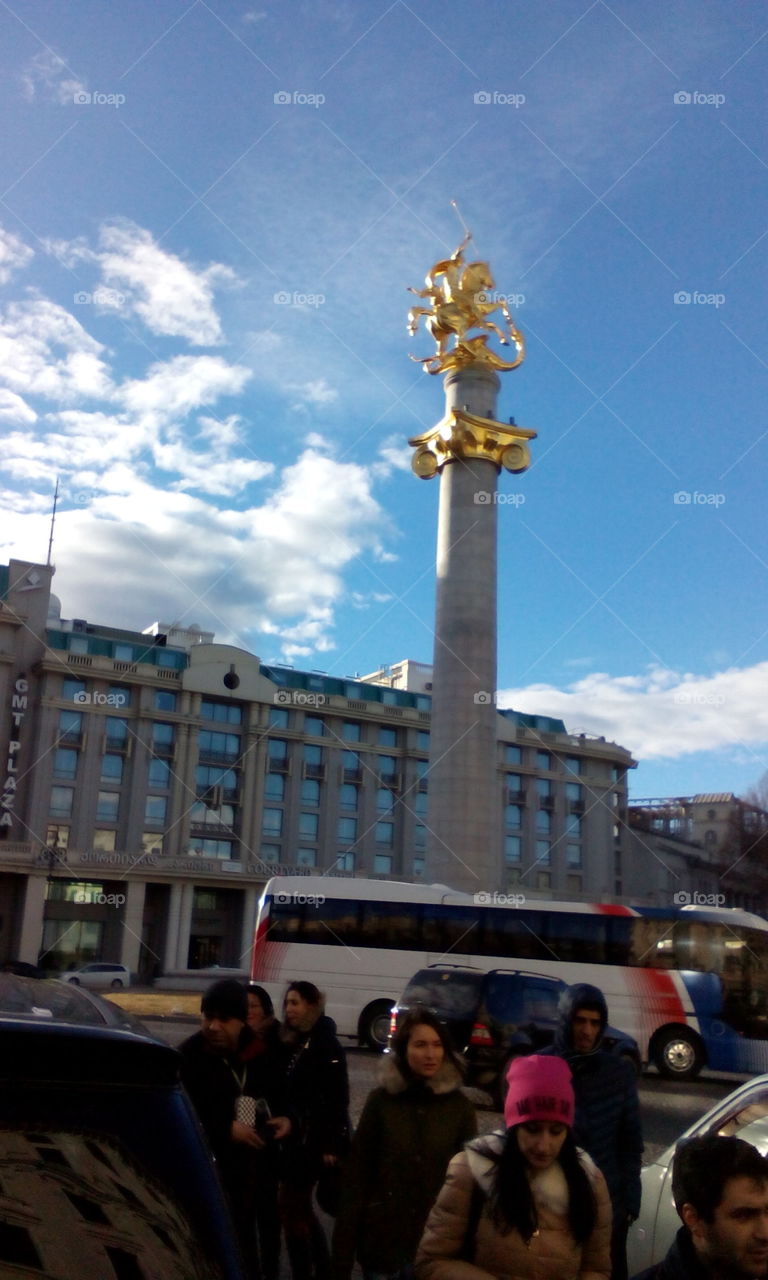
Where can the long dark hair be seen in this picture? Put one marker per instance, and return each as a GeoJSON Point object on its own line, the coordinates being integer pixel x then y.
{"type": "Point", "coordinates": [511, 1201]}
{"type": "Point", "coordinates": [419, 1017]}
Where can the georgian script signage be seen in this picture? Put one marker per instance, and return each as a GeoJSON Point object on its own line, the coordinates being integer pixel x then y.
{"type": "Point", "coordinates": [19, 704]}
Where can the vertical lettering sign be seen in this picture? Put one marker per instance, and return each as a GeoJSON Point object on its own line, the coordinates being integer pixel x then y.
{"type": "Point", "coordinates": [19, 704]}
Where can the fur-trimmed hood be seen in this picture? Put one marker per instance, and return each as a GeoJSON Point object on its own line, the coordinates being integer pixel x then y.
{"type": "Point", "coordinates": [549, 1187]}
{"type": "Point", "coordinates": [447, 1080]}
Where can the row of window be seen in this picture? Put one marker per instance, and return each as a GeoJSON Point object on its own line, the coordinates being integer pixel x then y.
{"type": "Point", "coordinates": [513, 853]}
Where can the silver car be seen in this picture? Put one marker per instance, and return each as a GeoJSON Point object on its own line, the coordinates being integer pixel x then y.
{"type": "Point", "coordinates": [98, 975]}
{"type": "Point", "coordinates": [743, 1114]}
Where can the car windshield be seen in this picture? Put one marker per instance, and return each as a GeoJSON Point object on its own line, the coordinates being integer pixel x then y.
{"type": "Point", "coordinates": [33, 998]}
{"type": "Point", "coordinates": [451, 993]}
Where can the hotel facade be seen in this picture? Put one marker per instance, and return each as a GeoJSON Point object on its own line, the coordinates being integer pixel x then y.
{"type": "Point", "coordinates": [155, 780]}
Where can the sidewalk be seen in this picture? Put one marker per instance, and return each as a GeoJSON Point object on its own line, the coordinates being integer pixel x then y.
{"type": "Point", "coordinates": [149, 1002]}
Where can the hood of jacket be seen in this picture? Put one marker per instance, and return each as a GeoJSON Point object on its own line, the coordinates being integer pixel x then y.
{"type": "Point", "coordinates": [446, 1080]}
{"type": "Point", "coordinates": [578, 996]}
{"type": "Point", "coordinates": [549, 1187]}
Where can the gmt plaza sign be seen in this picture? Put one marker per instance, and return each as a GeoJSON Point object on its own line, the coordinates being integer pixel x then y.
{"type": "Point", "coordinates": [19, 707]}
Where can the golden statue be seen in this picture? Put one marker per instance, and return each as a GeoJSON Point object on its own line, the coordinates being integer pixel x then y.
{"type": "Point", "coordinates": [462, 297]}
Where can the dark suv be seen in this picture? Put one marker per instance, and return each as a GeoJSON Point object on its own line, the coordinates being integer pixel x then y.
{"type": "Point", "coordinates": [496, 1016]}
{"type": "Point", "coordinates": [105, 1169]}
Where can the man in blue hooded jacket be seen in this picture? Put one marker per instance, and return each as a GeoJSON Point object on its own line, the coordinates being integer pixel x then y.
{"type": "Point", "coordinates": [607, 1120]}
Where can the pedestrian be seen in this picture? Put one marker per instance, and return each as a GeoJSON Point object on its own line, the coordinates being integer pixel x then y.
{"type": "Point", "coordinates": [409, 1129]}
{"type": "Point", "coordinates": [607, 1123]}
{"type": "Point", "coordinates": [264, 1054]}
{"type": "Point", "coordinates": [317, 1094]}
{"type": "Point", "coordinates": [217, 1074]}
{"type": "Point", "coordinates": [720, 1189]}
{"type": "Point", "coordinates": [525, 1204]}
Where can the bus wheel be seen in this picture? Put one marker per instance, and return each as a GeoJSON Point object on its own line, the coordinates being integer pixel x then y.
{"type": "Point", "coordinates": [678, 1054]}
{"type": "Point", "coordinates": [374, 1024]}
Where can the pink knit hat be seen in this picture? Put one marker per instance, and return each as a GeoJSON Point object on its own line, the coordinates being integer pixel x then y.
{"type": "Point", "coordinates": [538, 1088]}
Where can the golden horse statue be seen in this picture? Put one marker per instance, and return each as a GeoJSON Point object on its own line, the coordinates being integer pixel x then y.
{"type": "Point", "coordinates": [462, 299]}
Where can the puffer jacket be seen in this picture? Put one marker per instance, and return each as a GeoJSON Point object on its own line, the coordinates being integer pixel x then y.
{"type": "Point", "coordinates": [607, 1119]}
{"type": "Point", "coordinates": [551, 1254]}
{"type": "Point", "coordinates": [407, 1133]}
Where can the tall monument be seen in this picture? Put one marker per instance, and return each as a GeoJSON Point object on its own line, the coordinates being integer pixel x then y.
{"type": "Point", "coordinates": [467, 449]}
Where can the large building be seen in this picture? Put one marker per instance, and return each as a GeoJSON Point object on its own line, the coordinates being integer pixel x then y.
{"type": "Point", "coordinates": [156, 779]}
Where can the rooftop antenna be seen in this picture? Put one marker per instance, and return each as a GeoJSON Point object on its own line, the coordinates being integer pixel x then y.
{"type": "Point", "coordinates": [53, 521]}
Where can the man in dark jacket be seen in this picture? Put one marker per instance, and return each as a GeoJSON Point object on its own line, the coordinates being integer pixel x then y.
{"type": "Point", "coordinates": [217, 1071]}
{"type": "Point", "coordinates": [607, 1123]}
{"type": "Point", "coordinates": [720, 1189]}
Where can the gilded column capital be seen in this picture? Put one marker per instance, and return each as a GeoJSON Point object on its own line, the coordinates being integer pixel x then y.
{"type": "Point", "coordinates": [463, 435]}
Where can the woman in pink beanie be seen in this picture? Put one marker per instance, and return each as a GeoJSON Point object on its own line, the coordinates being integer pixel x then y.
{"type": "Point", "coordinates": [525, 1204]}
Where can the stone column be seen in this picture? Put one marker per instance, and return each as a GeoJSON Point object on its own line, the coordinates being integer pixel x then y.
{"type": "Point", "coordinates": [31, 937]}
{"type": "Point", "coordinates": [133, 920]}
{"type": "Point", "coordinates": [172, 928]}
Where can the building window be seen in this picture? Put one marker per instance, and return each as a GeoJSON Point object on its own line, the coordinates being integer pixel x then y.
{"type": "Point", "coordinates": [347, 796]}
{"type": "Point", "coordinates": [218, 746]}
{"type": "Point", "coordinates": [310, 791]}
{"type": "Point", "coordinates": [512, 755]}
{"type": "Point", "coordinates": [387, 769]}
{"type": "Point", "coordinates": [65, 763]}
{"type": "Point", "coordinates": [278, 717]}
{"type": "Point", "coordinates": [277, 754]}
{"type": "Point", "coordinates": [421, 803]}
{"type": "Point", "coordinates": [164, 736]}
{"type": "Point", "coordinates": [104, 841]}
{"type": "Point", "coordinates": [78, 644]}
{"type": "Point", "coordinates": [418, 867]}
{"type": "Point", "coordinates": [346, 829]}
{"type": "Point", "coordinates": [123, 653]}
{"type": "Point", "coordinates": [164, 700]}
{"type": "Point", "coordinates": [419, 836]}
{"type": "Point", "coordinates": [385, 800]}
{"type": "Point", "coordinates": [515, 786]}
{"type": "Point", "coordinates": [56, 837]}
{"type": "Point", "coordinates": [308, 825]}
{"type": "Point", "coordinates": [385, 833]}
{"type": "Point", "coordinates": [314, 727]}
{"type": "Point", "coordinates": [572, 764]}
{"type": "Point", "coordinates": [422, 739]}
{"type": "Point", "coordinates": [272, 822]}
{"type": "Point", "coordinates": [117, 696]}
{"type": "Point", "coordinates": [313, 755]}
{"type": "Point", "coordinates": [70, 726]}
{"type": "Point", "coordinates": [543, 760]}
{"type": "Point", "coordinates": [72, 689]}
{"type": "Point", "coordinates": [350, 763]}
{"type": "Point", "coordinates": [382, 864]}
{"type": "Point", "coordinates": [387, 737]}
{"type": "Point", "coordinates": [350, 731]}
{"type": "Point", "coordinates": [270, 852]}
{"type": "Point", "coordinates": [274, 786]}
{"type": "Point", "coordinates": [112, 769]}
{"type": "Point", "coordinates": [574, 792]}
{"type": "Point", "coordinates": [512, 849]}
{"type": "Point", "coordinates": [573, 857]}
{"type": "Point", "coordinates": [222, 712]}
{"type": "Point", "coordinates": [513, 816]}
{"type": "Point", "coordinates": [159, 773]}
{"type": "Point", "coordinates": [543, 880]}
{"type": "Point", "coordinates": [212, 848]}
{"type": "Point", "coordinates": [345, 862]}
{"type": "Point", "coordinates": [544, 821]}
{"type": "Point", "coordinates": [543, 788]}
{"type": "Point", "coordinates": [61, 802]}
{"type": "Point", "coordinates": [152, 842]}
{"type": "Point", "coordinates": [306, 858]}
{"type": "Point", "coordinates": [116, 732]}
{"type": "Point", "coordinates": [543, 853]}
{"type": "Point", "coordinates": [573, 826]}
{"type": "Point", "coordinates": [107, 805]}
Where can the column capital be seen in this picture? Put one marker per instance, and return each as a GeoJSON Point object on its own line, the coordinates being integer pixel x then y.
{"type": "Point", "coordinates": [463, 435]}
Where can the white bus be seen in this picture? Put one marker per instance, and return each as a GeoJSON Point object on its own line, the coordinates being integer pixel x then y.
{"type": "Point", "coordinates": [689, 983]}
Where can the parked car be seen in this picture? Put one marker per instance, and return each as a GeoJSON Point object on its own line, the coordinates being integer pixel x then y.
{"type": "Point", "coordinates": [495, 1016]}
{"type": "Point", "coordinates": [98, 975]}
{"type": "Point", "coordinates": [743, 1114]}
{"type": "Point", "coordinates": [105, 1169]}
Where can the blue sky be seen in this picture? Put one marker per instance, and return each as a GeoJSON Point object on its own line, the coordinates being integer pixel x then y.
{"type": "Point", "coordinates": [209, 216]}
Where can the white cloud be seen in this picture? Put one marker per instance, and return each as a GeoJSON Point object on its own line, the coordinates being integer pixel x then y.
{"type": "Point", "coordinates": [174, 387]}
{"type": "Point", "coordinates": [167, 294]}
{"type": "Point", "coordinates": [45, 351]}
{"type": "Point", "coordinates": [48, 74]}
{"type": "Point", "coordinates": [15, 410]}
{"type": "Point", "coordinates": [204, 473]}
{"type": "Point", "coordinates": [14, 255]}
{"type": "Point", "coordinates": [660, 713]}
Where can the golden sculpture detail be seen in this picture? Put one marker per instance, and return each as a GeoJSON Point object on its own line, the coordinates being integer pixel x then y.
{"type": "Point", "coordinates": [466, 435]}
{"type": "Point", "coordinates": [462, 298]}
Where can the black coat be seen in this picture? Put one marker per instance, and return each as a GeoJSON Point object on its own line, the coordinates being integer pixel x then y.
{"type": "Point", "coordinates": [681, 1263]}
{"type": "Point", "coordinates": [317, 1096]}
